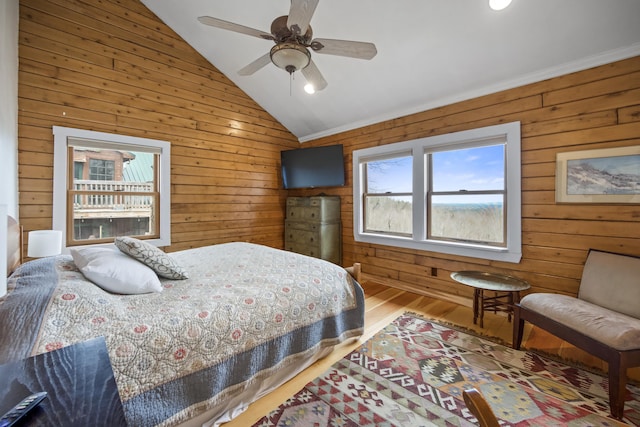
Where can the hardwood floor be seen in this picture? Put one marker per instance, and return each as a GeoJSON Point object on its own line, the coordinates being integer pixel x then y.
{"type": "Point", "coordinates": [382, 305]}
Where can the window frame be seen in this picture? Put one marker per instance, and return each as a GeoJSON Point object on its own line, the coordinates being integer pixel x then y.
{"type": "Point", "coordinates": [62, 168]}
{"type": "Point", "coordinates": [508, 133]}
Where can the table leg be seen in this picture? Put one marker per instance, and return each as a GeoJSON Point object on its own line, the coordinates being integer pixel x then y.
{"type": "Point", "coordinates": [481, 308]}
{"type": "Point", "coordinates": [495, 306]}
{"type": "Point", "coordinates": [517, 296]}
{"type": "Point", "coordinates": [476, 296]}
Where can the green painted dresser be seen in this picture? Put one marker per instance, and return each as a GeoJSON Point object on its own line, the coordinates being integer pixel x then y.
{"type": "Point", "coordinates": [312, 227]}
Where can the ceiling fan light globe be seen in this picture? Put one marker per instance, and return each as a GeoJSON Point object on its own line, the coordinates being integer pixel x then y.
{"type": "Point", "coordinates": [499, 4]}
{"type": "Point", "coordinates": [309, 89]}
{"type": "Point", "coordinates": [290, 57]}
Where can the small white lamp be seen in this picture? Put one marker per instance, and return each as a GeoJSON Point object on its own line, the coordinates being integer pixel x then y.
{"type": "Point", "coordinates": [44, 243]}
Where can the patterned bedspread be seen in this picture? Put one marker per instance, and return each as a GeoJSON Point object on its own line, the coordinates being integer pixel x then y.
{"type": "Point", "coordinates": [245, 311]}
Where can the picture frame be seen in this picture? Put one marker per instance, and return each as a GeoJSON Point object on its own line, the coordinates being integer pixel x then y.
{"type": "Point", "coordinates": [609, 175]}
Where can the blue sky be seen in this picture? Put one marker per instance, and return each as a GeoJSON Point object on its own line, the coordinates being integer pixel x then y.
{"type": "Point", "coordinates": [480, 168]}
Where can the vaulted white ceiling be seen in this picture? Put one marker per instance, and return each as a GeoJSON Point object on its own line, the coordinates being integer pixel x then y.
{"type": "Point", "coordinates": [430, 52]}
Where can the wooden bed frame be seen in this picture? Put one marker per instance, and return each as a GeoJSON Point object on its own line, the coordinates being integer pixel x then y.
{"type": "Point", "coordinates": [14, 245]}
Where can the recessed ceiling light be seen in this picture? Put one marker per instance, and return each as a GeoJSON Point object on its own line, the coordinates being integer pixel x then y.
{"type": "Point", "coordinates": [309, 89]}
{"type": "Point", "coordinates": [499, 4]}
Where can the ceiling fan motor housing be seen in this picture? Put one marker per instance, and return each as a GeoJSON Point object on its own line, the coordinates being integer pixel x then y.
{"type": "Point", "coordinates": [282, 33]}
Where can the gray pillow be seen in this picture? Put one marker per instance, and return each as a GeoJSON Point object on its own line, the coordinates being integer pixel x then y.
{"type": "Point", "coordinates": [151, 256]}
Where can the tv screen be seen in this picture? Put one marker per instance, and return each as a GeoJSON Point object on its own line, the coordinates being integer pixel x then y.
{"type": "Point", "coordinates": [313, 167]}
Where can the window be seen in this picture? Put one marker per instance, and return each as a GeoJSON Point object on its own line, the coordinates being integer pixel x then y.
{"type": "Point", "coordinates": [101, 170]}
{"type": "Point", "coordinates": [457, 193]}
{"type": "Point", "coordinates": [108, 185]}
{"type": "Point", "coordinates": [388, 201]}
{"type": "Point", "coordinates": [466, 204]}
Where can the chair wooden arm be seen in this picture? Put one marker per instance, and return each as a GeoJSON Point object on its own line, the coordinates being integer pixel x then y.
{"type": "Point", "coordinates": [480, 408]}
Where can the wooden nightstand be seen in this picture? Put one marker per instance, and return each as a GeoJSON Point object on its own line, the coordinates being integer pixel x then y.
{"type": "Point", "coordinates": [80, 385]}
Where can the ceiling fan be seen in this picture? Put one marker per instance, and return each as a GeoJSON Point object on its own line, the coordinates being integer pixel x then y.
{"type": "Point", "coordinates": [292, 35]}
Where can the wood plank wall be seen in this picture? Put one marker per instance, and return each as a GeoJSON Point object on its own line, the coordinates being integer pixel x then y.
{"type": "Point", "coordinates": [596, 108]}
{"type": "Point", "coordinates": [115, 67]}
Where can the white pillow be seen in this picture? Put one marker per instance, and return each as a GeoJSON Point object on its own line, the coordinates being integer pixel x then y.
{"type": "Point", "coordinates": [114, 271]}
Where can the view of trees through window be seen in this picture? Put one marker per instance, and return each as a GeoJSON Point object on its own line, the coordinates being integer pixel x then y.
{"type": "Point", "coordinates": [114, 193]}
{"type": "Point", "coordinates": [465, 198]}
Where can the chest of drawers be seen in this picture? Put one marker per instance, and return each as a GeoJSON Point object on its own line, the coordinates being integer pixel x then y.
{"type": "Point", "coordinates": [312, 227]}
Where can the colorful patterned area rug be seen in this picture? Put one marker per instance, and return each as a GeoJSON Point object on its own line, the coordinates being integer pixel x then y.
{"type": "Point", "coordinates": [413, 373]}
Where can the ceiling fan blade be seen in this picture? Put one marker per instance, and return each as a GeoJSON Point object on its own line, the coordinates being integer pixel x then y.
{"type": "Point", "coordinates": [255, 65]}
{"type": "Point", "coordinates": [226, 25]}
{"type": "Point", "coordinates": [313, 76]}
{"type": "Point", "coordinates": [360, 50]}
{"type": "Point", "coordinates": [300, 15]}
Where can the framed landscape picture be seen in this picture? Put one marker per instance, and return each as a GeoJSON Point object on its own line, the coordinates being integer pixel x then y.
{"type": "Point", "coordinates": [610, 175]}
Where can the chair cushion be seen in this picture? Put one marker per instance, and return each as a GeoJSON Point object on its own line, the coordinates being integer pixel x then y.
{"type": "Point", "coordinates": [611, 281]}
{"type": "Point", "coordinates": [611, 328]}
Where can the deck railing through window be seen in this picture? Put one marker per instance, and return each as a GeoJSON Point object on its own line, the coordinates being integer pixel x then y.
{"type": "Point", "coordinates": [112, 195]}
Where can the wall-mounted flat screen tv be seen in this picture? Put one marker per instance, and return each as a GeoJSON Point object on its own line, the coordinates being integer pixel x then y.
{"type": "Point", "coordinates": [313, 167]}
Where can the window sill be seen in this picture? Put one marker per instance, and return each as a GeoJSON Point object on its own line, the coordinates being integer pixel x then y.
{"type": "Point", "coordinates": [449, 248]}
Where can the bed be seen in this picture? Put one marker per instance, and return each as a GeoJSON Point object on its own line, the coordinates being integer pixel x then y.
{"type": "Point", "coordinates": [247, 319]}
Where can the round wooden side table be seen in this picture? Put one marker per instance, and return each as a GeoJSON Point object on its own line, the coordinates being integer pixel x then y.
{"type": "Point", "coordinates": [506, 291]}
